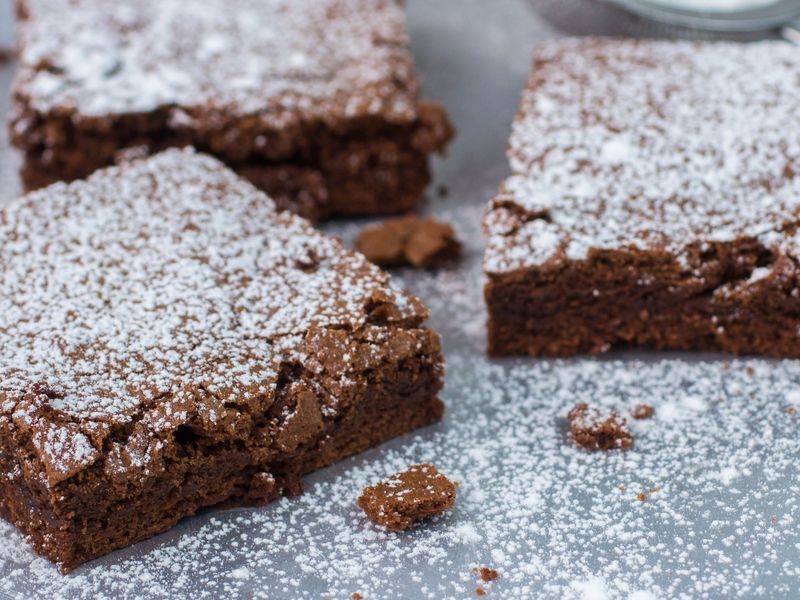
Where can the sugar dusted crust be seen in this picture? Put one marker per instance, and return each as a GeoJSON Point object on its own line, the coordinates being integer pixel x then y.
{"type": "Point", "coordinates": [655, 145]}
{"type": "Point", "coordinates": [654, 200]}
{"type": "Point", "coordinates": [278, 60]}
{"type": "Point", "coordinates": [162, 323]}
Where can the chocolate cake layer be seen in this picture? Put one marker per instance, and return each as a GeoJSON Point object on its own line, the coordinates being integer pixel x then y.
{"type": "Point", "coordinates": [169, 341]}
{"type": "Point", "coordinates": [654, 200]}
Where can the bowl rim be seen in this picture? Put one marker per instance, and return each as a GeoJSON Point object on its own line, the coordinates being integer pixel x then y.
{"type": "Point", "coordinates": [762, 18]}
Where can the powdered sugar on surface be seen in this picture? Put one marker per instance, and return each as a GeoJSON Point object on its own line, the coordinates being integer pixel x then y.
{"type": "Point", "coordinates": [530, 503]}
{"type": "Point", "coordinates": [649, 144]}
{"type": "Point", "coordinates": [270, 58]}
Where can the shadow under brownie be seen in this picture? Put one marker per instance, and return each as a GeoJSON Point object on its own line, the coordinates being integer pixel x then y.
{"type": "Point", "coordinates": [169, 341]}
{"type": "Point", "coordinates": [654, 200]}
{"type": "Point", "coordinates": [315, 101]}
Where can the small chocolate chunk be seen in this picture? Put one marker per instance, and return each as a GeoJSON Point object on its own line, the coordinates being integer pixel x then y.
{"type": "Point", "coordinates": [594, 430]}
{"type": "Point", "coordinates": [416, 493]}
{"type": "Point", "coordinates": [486, 574]}
{"type": "Point", "coordinates": [409, 240]}
{"type": "Point", "coordinates": [642, 411]}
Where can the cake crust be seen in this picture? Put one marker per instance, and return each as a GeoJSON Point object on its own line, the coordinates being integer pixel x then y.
{"type": "Point", "coordinates": [316, 102]}
{"type": "Point", "coordinates": [654, 201]}
{"type": "Point", "coordinates": [171, 341]}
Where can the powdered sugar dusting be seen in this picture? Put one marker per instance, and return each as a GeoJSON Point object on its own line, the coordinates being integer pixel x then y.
{"type": "Point", "coordinates": [270, 58]}
{"type": "Point", "coordinates": [649, 144]}
{"type": "Point", "coordinates": [125, 291]}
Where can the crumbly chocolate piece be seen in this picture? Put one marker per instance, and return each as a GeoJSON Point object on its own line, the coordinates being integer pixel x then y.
{"type": "Point", "coordinates": [169, 341]}
{"type": "Point", "coordinates": [409, 240]}
{"type": "Point", "coordinates": [595, 430]}
{"type": "Point", "coordinates": [654, 200]}
{"type": "Point", "coordinates": [486, 574]}
{"type": "Point", "coordinates": [642, 411]}
{"type": "Point", "coordinates": [314, 101]}
{"type": "Point", "coordinates": [416, 493]}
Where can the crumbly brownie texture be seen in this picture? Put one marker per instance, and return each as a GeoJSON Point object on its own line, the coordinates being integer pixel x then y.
{"type": "Point", "coordinates": [409, 240]}
{"type": "Point", "coordinates": [404, 498]}
{"type": "Point", "coordinates": [169, 341]}
{"type": "Point", "coordinates": [654, 200]}
{"type": "Point", "coordinates": [314, 101]}
{"type": "Point", "coordinates": [593, 429]}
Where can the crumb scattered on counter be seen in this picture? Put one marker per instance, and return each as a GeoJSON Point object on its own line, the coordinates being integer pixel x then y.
{"type": "Point", "coordinates": [594, 430]}
{"type": "Point", "coordinates": [409, 240]}
{"type": "Point", "coordinates": [642, 411]}
{"type": "Point", "coordinates": [416, 493]}
{"type": "Point", "coordinates": [486, 574]}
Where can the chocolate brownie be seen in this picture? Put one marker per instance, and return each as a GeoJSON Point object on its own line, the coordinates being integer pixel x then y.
{"type": "Point", "coordinates": [315, 101]}
{"type": "Point", "coordinates": [417, 493]}
{"type": "Point", "coordinates": [170, 341]}
{"type": "Point", "coordinates": [654, 200]}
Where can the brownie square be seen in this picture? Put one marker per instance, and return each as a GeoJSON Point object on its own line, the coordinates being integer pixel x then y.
{"type": "Point", "coordinates": [170, 341]}
{"type": "Point", "coordinates": [315, 101]}
{"type": "Point", "coordinates": [654, 200]}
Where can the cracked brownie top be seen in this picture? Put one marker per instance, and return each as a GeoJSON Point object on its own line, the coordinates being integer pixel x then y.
{"type": "Point", "coordinates": [170, 278]}
{"type": "Point", "coordinates": [651, 145]}
{"type": "Point", "coordinates": [280, 61]}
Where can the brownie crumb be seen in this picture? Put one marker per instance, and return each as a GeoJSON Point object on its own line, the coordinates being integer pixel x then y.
{"type": "Point", "coordinates": [409, 240]}
{"type": "Point", "coordinates": [642, 411]}
{"type": "Point", "coordinates": [641, 497]}
{"type": "Point", "coordinates": [416, 493]}
{"type": "Point", "coordinates": [356, 596]}
{"type": "Point", "coordinates": [486, 573]}
{"type": "Point", "coordinates": [293, 487]}
{"type": "Point", "coordinates": [6, 54]}
{"type": "Point", "coordinates": [479, 591]}
{"type": "Point", "coordinates": [791, 411]}
{"type": "Point", "coordinates": [594, 430]}
{"type": "Point", "coordinates": [443, 191]}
